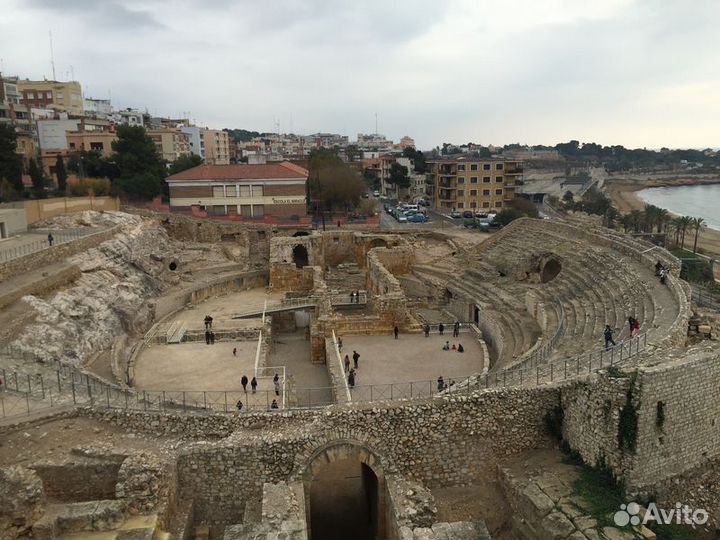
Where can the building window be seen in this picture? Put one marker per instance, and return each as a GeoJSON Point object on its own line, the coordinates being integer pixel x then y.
{"type": "Point", "coordinates": [473, 192]}
{"type": "Point", "coordinates": [498, 166]}
{"type": "Point", "coordinates": [486, 167]}
{"type": "Point", "coordinates": [486, 192]}
{"type": "Point", "coordinates": [244, 191]}
{"type": "Point", "coordinates": [258, 210]}
{"type": "Point", "coordinates": [461, 192]}
{"type": "Point", "coordinates": [245, 210]}
{"type": "Point", "coordinates": [218, 210]}
{"type": "Point", "coordinates": [30, 95]}
{"type": "Point", "coordinates": [486, 204]}
{"type": "Point", "coordinates": [72, 146]}
{"type": "Point", "coordinates": [219, 191]}
{"type": "Point", "coordinates": [257, 191]}
{"type": "Point", "coordinates": [48, 95]}
{"type": "Point", "coordinates": [498, 204]}
{"type": "Point", "coordinates": [473, 167]}
{"type": "Point", "coordinates": [498, 192]}
{"type": "Point", "coordinates": [461, 180]}
{"type": "Point", "coordinates": [97, 146]}
{"type": "Point", "coordinates": [59, 95]}
{"type": "Point", "coordinates": [473, 204]}
{"type": "Point", "coordinates": [486, 179]}
{"type": "Point", "coordinates": [473, 180]}
{"type": "Point", "coordinates": [499, 179]}
{"type": "Point", "coordinates": [461, 167]}
{"type": "Point", "coordinates": [461, 205]}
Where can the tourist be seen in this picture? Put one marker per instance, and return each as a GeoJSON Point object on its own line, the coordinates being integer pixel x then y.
{"type": "Point", "coordinates": [357, 297]}
{"type": "Point", "coordinates": [426, 329]}
{"type": "Point", "coordinates": [50, 239]}
{"type": "Point", "coordinates": [658, 267]}
{"type": "Point", "coordinates": [460, 348]}
{"type": "Point", "coordinates": [631, 323]}
{"type": "Point", "coordinates": [441, 327]}
{"type": "Point", "coordinates": [351, 378]}
{"type": "Point", "coordinates": [608, 333]}
{"type": "Point", "coordinates": [208, 322]}
{"type": "Point", "coordinates": [244, 382]}
{"type": "Point", "coordinates": [347, 363]}
{"type": "Point", "coordinates": [663, 276]}
{"type": "Point", "coordinates": [207, 337]}
{"type": "Point", "coordinates": [456, 329]}
{"type": "Point", "coordinates": [239, 405]}
{"type": "Point", "coordinates": [635, 330]}
{"type": "Point", "coordinates": [274, 404]}
{"type": "Point", "coordinates": [234, 351]}
{"type": "Point", "coordinates": [446, 347]}
{"type": "Point", "coordinates": [276, 384]}
{"type": "Point", "coordinates": [212, 338]}
{"type": "Point", "coordinates": [454, 348]}
{"type": "Point", "coordinates": [339, 340]}
{"type": "Point", "coordinates": [440, 383]}
{"type": "Point", "coordinates": [352, 297]}
{"type": "Point", "coordinates": [253, 384]}
{"type": "Point", "coordinates": [356, 358]}
{"type": "Point", "coordinates": [396, 331]}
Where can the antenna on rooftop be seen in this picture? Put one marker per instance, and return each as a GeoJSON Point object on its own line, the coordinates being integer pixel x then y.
{"type": "Point", "coordinates": [52, 55]}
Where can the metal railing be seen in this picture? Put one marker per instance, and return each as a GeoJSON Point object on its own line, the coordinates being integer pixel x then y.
{"type": "Point", "coordinates": [703, 297]}
{"type": "Point", "coordinates": [10, 253]}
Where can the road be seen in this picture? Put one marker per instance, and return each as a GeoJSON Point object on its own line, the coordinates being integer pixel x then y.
{"type": "Point", "coordinates": [436, 221]}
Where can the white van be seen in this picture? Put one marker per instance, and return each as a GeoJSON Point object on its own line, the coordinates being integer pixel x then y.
{"type": "Point", "coordinates": [411, 207]}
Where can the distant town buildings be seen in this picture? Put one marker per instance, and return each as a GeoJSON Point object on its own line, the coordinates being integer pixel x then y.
{"type": "Point", "coordinates": [466, 183]}
{"type": "Point", "coordinates": [170, 143]}
{"type": "Point", "coordinates": [57, 95]}
{"type": "Point", "coordinates": [249, 191]}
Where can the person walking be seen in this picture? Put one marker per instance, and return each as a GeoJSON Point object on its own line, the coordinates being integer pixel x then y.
{"type": "Point", "coordinates": [234, 351]}
{"type": "Point", "coordinates": [212, 337]}
{"type": "Point", "coordinates": [426, 329]}
{"type": "Point", "coordinates": [663, 276]}
{"type": "Point", "coordinates": [351, 379]}
{"type": "Point", "coordinates": [608, 334]}
{"type": "Point", "coordinates": [253, 384]}
{"type": "Point", "coordinates": [276, 384]}
{"type": "Point", "coordinates": [631, 323]}
{"type": "Point", "coordinates": [208, 323]}
{"type": "Point", "coordinates": [347, 363]}
{"type": "Point", "coordinates": [207, 337]}
{"type": "Point", "coordinates": [456, 329]}
{"type": "Point", "coordinates": [339, 340]}
{"type": "Point", "coordinates": [50, 239]}
{"type": "Point", "coordinates": [356, 358]}
{"type": "Point", "coordinates": [396, 331]}
{"type": "Point", "coordinates": [357, 297]}
{"type": "Point", "coordinates": [441, 328]}
{"type": "Point", "coordinates": [440, 383]}
{"type": "Point", "coordinates": [352, 297]}
{"type": "Point", "coordinates": [244, 382]}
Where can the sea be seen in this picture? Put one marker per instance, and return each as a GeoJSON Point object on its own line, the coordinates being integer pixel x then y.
{"type": "Point", "coordinates": [695, 201]}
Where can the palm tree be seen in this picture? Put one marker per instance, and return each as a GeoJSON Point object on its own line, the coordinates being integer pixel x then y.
{"type": "Point", "coordinates": [650, 215]}
{"type": "Point", "coordinates": [636, 218]}
{"type": "Point", "coordinates": [677, 226]}
{"type": "Point", "coordinates": [663, 216]}
{"type": "Point", "coordinates": [685, 222]}
{"type": "Point", "coordinates": [611, 215]}
{"type": "Point", "coordinates": [697, 224]}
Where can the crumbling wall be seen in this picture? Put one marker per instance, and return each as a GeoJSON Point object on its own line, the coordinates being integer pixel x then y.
{"type": "Point", "coordinates": [21, 501]}
{"type": "Point", "coordinates": [80, 480]}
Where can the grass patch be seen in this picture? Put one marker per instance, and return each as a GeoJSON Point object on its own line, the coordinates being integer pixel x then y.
{"type": "Point", "coordinates": [602, 493]}
{"type": "Point", "coordinates": [673, 531]}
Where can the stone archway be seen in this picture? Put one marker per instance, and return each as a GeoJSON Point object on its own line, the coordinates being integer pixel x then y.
{"type": "Point", "coordinates": [300, 256]}
{"type": "Point", "coordinates": [377, 242]}
{"type": "Point", "coordinates": [549, 269]}
{"type": "Point", "coordinates": [345, 474]}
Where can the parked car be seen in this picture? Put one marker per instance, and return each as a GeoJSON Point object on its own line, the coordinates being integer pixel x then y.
{"type": "Point", "coordinates": [402, 218]}
{"type": "Point", "coordinates": [467, 214]}
{"type": "Point", "coordinates": [455, 214]}
{"type": "Point", "coordinates": [376, 193]}
{"type": "Point", "coordinates": [418, 218]}
{"type": "Point", "coordinates": [470, 224]}
{"type": "Point", "coordinates": [481, 215]}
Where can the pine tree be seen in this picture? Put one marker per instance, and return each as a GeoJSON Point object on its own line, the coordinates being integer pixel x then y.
{"type": "Point", "coordinates": [61, 174]}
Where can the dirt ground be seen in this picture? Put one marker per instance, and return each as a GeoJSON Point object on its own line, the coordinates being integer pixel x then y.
{"type": "Point", "coordinates": [56, 438]}
{"type": "Point", "coordinates": [412, 357]}
{"type": "Point", "coordinates": [471, 503]}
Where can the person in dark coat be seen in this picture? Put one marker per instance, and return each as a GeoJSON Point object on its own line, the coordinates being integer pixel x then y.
{"type": "Point", "coordinates": [441, 327]}
{"type": "Point", "coordinates": [356, 358]}
{"type": "Point", "coordinates": [244, 382]}
{"type": "Point", "coordinates": [351, 378]}
{"type": "Point", "coordinates": [253, 384]}
{"type": "Point", "coordinates": [396, 331]}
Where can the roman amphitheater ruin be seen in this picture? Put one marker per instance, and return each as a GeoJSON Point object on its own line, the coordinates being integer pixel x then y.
{"type": "Point", "coordinates": [120, 399]}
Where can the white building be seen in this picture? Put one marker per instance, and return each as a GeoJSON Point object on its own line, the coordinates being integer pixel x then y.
{"type": "Point", "coordinates": [101, 108]}
{"type": "Point", "coordinates": [129, 117]}
{"type": "Point", "coordinates": [52, 133]}
{"type": "Point", "coordinates": [197, 139]}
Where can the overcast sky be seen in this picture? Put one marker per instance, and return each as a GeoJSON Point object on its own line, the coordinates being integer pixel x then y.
{"type": "Point", "coordinates": [637, 73]}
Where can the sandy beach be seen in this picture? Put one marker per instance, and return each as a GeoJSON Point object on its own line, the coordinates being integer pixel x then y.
{"type": "Point", "coordinates": [623, 194]}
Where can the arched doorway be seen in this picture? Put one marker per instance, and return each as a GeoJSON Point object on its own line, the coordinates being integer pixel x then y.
{"type": "Point", "coordinates": [377, 242]}
{"type": "Point", "coordinates": [345, 494]}
{"type": "Point", "coordinates": [300, 256]}
{"type": "Point", "coordinates": [550, 269]}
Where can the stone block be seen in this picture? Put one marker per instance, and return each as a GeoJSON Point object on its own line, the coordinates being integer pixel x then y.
{"type": "Point", "coordinates": [540, 503]}
{"type": "Point", "coordinates": [556, 526]}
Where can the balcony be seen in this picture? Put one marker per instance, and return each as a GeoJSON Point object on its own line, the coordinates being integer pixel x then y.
{"type": "Point", "coordinates": [513, 170]}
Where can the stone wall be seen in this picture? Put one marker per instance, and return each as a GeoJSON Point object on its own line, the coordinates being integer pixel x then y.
{"type": "Point", "coordinates": [54, 254]}
{"type": "Point", "coordinates": [51, 280]}
{"type": "Point", "coordinates": [287, 277]}
{"type": "Point", "coordinates": [440, 442]}
{"type": "Point", "coordinates": [79, 480]}
{"type": "Point", "coordinates": [336, 372]}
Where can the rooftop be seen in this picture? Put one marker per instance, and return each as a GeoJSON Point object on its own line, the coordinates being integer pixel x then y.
{"type": "Point", "coordinates": [239, 172]}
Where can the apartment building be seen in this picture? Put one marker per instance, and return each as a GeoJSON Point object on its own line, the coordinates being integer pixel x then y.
{"type": "Point", "coordinates": [250, 191]}
{"type": "Point", "coordinates": [91, 141]}
{"type": "Point", "coordinates": [217, 147]}
{"type": "Point", "coordinates": [58, 95]}
{"type": "Point", "coordinates": [170, 143]}
{"type": "Point", "coordinates": [477, 184]}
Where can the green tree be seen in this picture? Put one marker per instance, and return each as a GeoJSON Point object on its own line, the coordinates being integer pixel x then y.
{"type": "Point", "coordinates": [332, 185]}
{"type": "Point", "coordinates": [61, 174]}
{"type": "Point", "coordinates": [184, 162]}
{"type": "Point", "coordinates": [525, 206]}
{"type": "Point", "coordinates": [140, 168]}
{"type": "Point", "coordinates": [507, 216]}
{"type": "Point", "coordinates": [10, 160]}
{"type": "Point", "coordinates": [697, 224]}
{"type": "Point", "coordinates": [685, 222]}
{"type": "Point", "coordinates": [568, 197]}
{"type": "Point", "coordinates": [38, 179]}
{"type": "Point", "coordinates": [418, 159]}
{"type": "Point", "coordinates": [399, 176]}
{"type": "Point", "coordinates": [352, 152]}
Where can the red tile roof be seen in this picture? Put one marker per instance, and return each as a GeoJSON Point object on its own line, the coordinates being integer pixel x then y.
{"type": "Point", "coordinates": [266, 171]}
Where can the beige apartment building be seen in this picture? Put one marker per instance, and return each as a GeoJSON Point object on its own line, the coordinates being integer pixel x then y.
{"type": "Point", "coordinates": [170, 143]}
{"type": "Point", "coordinates": [95, 141]}
{"type": "Point", "coordinates": [62, 96]}
{"type": "Point", "coordinates": [474, 184]}
{"type": "Point", "coordinates": [217, 147]}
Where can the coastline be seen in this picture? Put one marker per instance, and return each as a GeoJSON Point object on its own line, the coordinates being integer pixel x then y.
{"type": "Point", "coordinates": [623, 194]}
